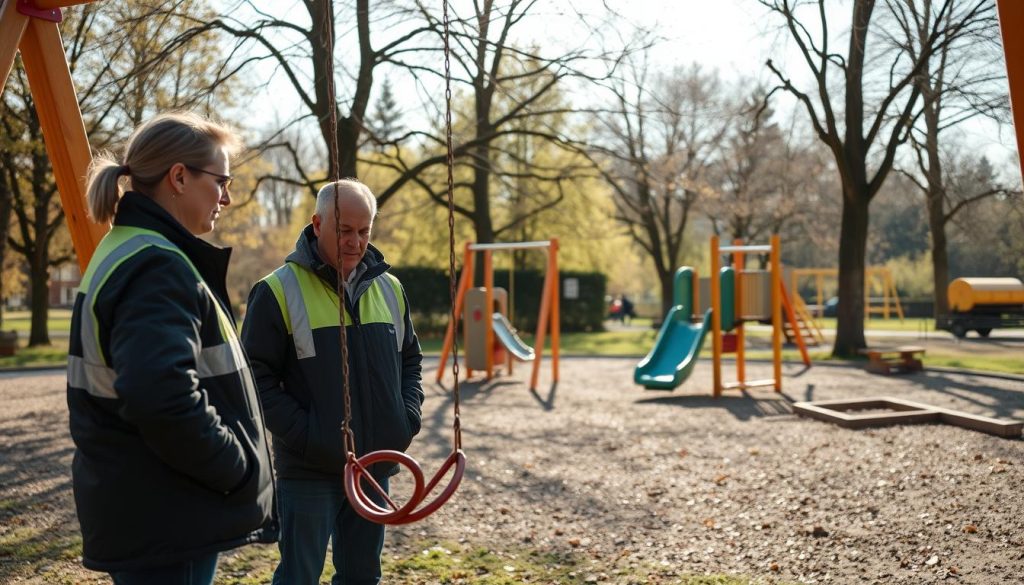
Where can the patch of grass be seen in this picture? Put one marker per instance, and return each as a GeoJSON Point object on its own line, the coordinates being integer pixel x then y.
{"type": "Point", "coordinates": [34, 548]}
{"type": "Point", "coordinates": [55, 354]}
{"type": "Point", "coordinates": [456, 564]}
{"type": "Point", "coordinates": [451, 564]}
{"type": "Point", "coordinates": [58, 320]}
{"type": "Point", "coordinates": [1005, 365]}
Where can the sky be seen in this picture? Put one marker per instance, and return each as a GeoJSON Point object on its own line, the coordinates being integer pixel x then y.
{"type": "Point", "coordinates": [735, 37]}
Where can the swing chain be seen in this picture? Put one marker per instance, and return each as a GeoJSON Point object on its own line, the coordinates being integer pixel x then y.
{"type": "Point", "coordinates": [346, 426]}
{"type": "Point", "coordinates": [457, 423]}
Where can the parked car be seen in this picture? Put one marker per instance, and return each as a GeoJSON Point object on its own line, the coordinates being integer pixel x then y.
{"type": "Point", "coordinates": [831, 307]}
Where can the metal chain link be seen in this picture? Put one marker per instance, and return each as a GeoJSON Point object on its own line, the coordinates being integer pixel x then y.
{"type": "Point", "coordinates": [457, 423]}
{"type": "Point", "coordinates": [346, 426]}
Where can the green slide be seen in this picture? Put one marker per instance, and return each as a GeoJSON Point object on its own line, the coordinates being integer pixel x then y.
{"type": "Point", "coordinates": [675, 351]}
{"type": "Point", "coordinates": [679, 341]}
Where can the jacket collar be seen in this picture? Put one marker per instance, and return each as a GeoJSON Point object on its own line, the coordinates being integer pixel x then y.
{"type": "Point", "coordinates": [307, 255]}
{"type": "Point", "coordinates": [138, 210]}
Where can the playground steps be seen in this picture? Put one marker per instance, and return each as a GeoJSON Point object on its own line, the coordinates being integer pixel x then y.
{"type": "Point", "coordinates": [805, 321]}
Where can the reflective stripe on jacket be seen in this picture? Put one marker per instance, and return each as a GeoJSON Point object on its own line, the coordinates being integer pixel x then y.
{"type": "Point", "coordinates": [91, 371]}
{"type": "Point", "coordinates": [307, 303]}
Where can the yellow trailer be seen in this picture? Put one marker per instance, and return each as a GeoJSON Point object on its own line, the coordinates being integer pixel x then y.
{"type": "Point", "coordinates": [967, 293]}
{"type": "Point", "coordinates": [983, 304]}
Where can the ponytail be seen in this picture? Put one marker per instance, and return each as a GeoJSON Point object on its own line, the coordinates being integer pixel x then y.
{"type": "Point", "coordinates": [104, 187]}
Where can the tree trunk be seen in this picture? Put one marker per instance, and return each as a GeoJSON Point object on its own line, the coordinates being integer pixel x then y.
{"type": "Point", "coordinates": [667, 280]}
{"type": "Point", "coordinates": [936, 198]}
{"type": "Point", "coordinates": [853, 238]}
{"type": "Point", "coordinates": [940, 254]}
{"type": "Point", "coordinates": [40, 299]}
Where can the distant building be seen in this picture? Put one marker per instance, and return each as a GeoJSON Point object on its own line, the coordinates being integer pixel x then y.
{"type": "Point", "coordinates": [64, 282]}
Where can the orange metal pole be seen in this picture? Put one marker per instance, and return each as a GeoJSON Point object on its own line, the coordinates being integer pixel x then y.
{"type": "Point", "coordinates": [67, 145]}
{"type": "Point", "coordinates": [543, 322]}
{"type": "Point", "coordinates": [790, 316]}
{"type": "Point", "coordinates": [460, 297]}
{"type": "Point", "coordinates": [489, 310]}
{"type": "Point", "coordinates": [716, 317]}
{"type": "Point", "coordinates": [556, 320]}
{"type": "Point", "coordinates": [776, 313]}
{"type": "Point", "coordinates": [739, 261]}
{"type": "Point", "coordinates": [1011, 22]}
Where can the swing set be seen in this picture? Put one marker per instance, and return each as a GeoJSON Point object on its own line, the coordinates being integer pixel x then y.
{"type": "Point", "coordinates": [492, 325]}
{"type": "Point", "coordinates": [31, 27]}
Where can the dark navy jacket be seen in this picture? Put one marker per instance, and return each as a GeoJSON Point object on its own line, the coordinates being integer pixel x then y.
{"type": "Point", "coordinates": [300, 380]}
{"type": "Point", "coordinates": [171, 459]}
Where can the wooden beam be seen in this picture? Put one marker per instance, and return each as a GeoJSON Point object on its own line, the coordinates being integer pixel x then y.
{"type": "Point", "coordinates": [63, 130]}
{"type": "Point", "coordinates": [1011, 22]}
{"type": "Point", "coordinates": [12, 28]}
{"type": "Point", "coordinates": [902, 412]}
{"type": "Point", "coordinates": [51, 4]}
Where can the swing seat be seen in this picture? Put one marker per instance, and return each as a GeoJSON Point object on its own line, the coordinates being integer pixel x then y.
{"type": "Point", "coordinates": [506, 335]}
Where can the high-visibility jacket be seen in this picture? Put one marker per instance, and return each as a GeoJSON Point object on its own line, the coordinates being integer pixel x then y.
{"type": "Point", "coordinates": [292, 333]}
{"type": "Point", "coordinates": [171, 458]}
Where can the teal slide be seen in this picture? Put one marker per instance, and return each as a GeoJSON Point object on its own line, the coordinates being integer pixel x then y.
{"type": "Point", "coordinates": [675, 351]}
{"type": "Point", "coordinates": [679, 341]}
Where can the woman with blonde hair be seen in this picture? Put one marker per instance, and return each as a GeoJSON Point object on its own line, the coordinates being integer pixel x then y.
{"type": "Point", "coordinates": [171, 464]}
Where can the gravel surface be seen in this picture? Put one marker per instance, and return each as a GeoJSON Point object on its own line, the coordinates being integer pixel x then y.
{"type": "Point", "coordinates": [677, 481]}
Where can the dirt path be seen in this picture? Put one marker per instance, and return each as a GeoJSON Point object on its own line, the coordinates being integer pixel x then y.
{"type": "Point", "coordinates": [676, 481]}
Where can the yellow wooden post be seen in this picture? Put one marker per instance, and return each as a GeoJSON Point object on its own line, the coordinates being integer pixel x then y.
{"type": "Point", "coordinates": [12, 27]}
{"type": "Point", "coordinates": [1011, 22]}
{"type": "Point", "coordinates": [56, 103]}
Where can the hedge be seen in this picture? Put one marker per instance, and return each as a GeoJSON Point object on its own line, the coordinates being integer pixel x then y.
{"type": "Point", "coordinates": [428, 291]}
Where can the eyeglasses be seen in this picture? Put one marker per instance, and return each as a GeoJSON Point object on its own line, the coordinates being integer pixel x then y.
{"type": "Point", "coordinates": [224, 181]}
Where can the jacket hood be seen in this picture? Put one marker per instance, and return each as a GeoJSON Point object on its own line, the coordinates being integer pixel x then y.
{"type": "Point", "coordinates": [307, 255]}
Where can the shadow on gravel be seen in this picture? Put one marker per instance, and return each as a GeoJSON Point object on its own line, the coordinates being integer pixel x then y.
{"type": "Point", "coordinates": [547, 402]}
{"type": "Point", "coordinates": [35, 488]}
{"type": "Point", "coordinates": [743, 406]}
{"type": "Point", "coordinates": [976, 390]}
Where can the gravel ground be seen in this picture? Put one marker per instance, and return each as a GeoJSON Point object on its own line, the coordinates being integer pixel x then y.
{"type": "Point", "coordinates": [677, 481]}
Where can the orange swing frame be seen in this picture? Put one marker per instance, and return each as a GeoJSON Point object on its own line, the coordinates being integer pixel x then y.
{"type": "Point", "coordinates": [548, 318]}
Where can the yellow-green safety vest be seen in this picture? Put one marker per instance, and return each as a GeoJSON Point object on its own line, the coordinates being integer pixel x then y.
{"type": "Point", "coordinates": [91, 371]}
{"type": "Point", "coordinates": [308, 303]}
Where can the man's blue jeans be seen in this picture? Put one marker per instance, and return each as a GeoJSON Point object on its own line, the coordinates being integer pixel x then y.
{"type": "Point", "coordinates": [313, 511]}
{"type": "Point", "coordinates": [198, 571]}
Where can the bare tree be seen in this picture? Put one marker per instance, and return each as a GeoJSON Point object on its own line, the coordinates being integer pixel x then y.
{"type": "Point", "coordinates": [764, 176]}
{"type": "Point", "coordinates": [518, 99]}
{"type": "Point", "coordinates": [660, 138]}
{"type": "Point", "coordinates": [963, 79]}
{"type": "Point", "coordinates": [864, 122]}
{"type": "Point", "coordinates": [299, 52]}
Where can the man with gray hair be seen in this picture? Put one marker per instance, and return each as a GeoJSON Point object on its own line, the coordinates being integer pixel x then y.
{"type": "Point", "coordinates": [291, 333]}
